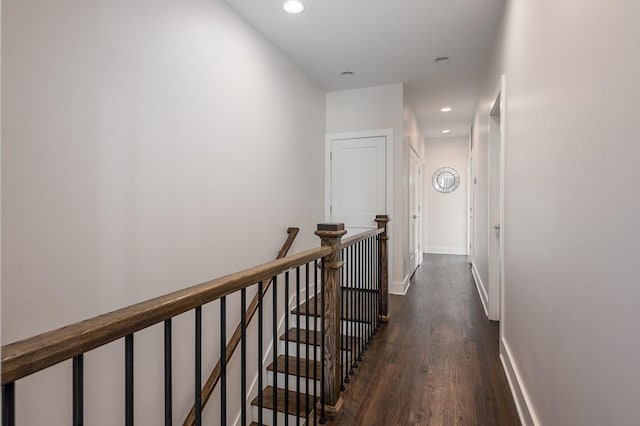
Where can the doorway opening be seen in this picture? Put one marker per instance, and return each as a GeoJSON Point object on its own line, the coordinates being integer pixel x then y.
{"type": "Point", "coordinates": [415, 208]}
{"type": "Point", "coordinates": [496, 203]}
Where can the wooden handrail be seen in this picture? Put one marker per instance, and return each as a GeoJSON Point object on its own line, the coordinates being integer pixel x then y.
{"type": "Point", "coordinates": [214, 377]}
{"type": "Point", "coordinates": [360, 237]}
{"type": "Point", "coordinates": [36, 353]}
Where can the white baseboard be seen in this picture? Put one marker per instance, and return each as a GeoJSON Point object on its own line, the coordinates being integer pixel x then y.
{"type": "Point", "coordinates": [446, 250]}
{"type": "Point", "coordinates": [480, 286]}
{"type": "Point", "coordinates": [520, 396]}
{"type": "Point", "coordinates": [400, 287]}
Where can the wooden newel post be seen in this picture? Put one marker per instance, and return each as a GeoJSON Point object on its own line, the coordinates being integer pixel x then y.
{"type": "Point", "coordinates": [383, 258]}
{"type": "Point", "coordinates": [331, 235]}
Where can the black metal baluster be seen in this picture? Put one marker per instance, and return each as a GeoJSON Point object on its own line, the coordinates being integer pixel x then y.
{"type": "Point", "coordinates": [275, 350]}
{"type": "Point", "coordinates": [352, 313]}
{"type": "Point", "coordinates": [374, 274]}
{"type": "Point", "coordinates": [356, 303]}
{"type": "Point", "coordinates": [376, 280]}
{"type": "Point", "coordinates": [375, 284]}
{"type": "Point", "coordinates": [315, 340]}
{"type": "Point", "coordinates": [286, 349]}
{"type": "Point", "coordinates": [369, 289]}
{"type": "Point", "coordinates": [365, 327]}
{"type": "Point", "coordinates": [323, 418]}
{"type": "Point", "coordinates": [342, 290]}
{"type": "Point", "coordinates": [298, 345]}
{"type": "Point", "coordinates": [372, 308]}
{"type": "Point", "coordinates": [198, 367]}
{"type": "Point", "coordinates": [368, 293]}
{"type": "Point", "coordinates": [78, 390]}
{"type": "Point", "coordinates": [223, 360]}
{"type": "Point", "coordinates": [260, 353]}
{"type": "Point", "coordinates": [365, 294]}
{"type": "Point", "coordinates": [243, 355]}
{"type": "Point", "coordinates": [9, 404]}
{"type": "Point", "coordinates": [360, 300]}
{"type": "Point", "coordinates": [363, 299]}
{"type": "Point", "coordinates": [128, 379]}
{"type": "Point", "coordinates": [306, 354]}
{"type": "Point", "coordinates": [168, 399]}
{"type": "Point", "coordinates": [348, 323]}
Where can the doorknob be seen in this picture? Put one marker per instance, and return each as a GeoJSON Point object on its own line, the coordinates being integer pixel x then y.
{"type": "Point", "coordinates": [415, 216]}
{"type": "Point", "coordinates": [497, 227]}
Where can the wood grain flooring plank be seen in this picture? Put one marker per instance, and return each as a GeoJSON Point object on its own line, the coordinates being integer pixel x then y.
{"type": "Point", "coordinates": [436, 361]}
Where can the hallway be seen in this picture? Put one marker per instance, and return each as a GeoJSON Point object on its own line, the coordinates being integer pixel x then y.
{"type": "Point", "coordinates": [436, 362]}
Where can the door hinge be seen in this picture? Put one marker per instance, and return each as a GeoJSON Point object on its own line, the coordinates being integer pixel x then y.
{"type": "Point", "coordinates": [331, 209]}
{"type": "Point", "coordinates": [331, 156]}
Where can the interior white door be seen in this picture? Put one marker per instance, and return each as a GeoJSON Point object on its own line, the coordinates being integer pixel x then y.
{"type": "Point", "coordinates": [415, 256]}
{"type": "Point", "coordinates": [358, 182]}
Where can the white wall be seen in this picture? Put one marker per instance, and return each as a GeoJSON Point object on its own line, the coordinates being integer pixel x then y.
{"type": "Point", "coordinates": [446, 214]}
{"type": "Point", "coordinates": [571, 320]}
{"type": "Point", "coordinates": [145, 146]}
{"type": "Point", "coordinates": [374, 108]}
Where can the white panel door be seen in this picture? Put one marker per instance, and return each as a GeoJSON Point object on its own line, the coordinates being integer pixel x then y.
{"type": "Point", "coordinates": [358, 186]}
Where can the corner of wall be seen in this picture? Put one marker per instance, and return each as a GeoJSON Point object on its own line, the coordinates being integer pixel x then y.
{"type": "Point", "coordinates": [400, 288]}
{"type": "Point", "coordinates": [481, 289]}
{"type": "Point", "coordinates": [516, 384]}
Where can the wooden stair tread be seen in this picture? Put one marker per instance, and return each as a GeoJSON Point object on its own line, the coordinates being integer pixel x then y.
{"type": "Point", "coordinates": [267, 402]}
{"type": "Point", "coordinates": [292, 367]}
{"type": "Point", "coordinates": [309, 308]}
{"type": "Point", "coordinates": [292, 337]}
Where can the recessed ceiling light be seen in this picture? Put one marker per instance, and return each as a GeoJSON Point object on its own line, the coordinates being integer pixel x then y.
{"type": "Point", "coordinates": [446, 132]}
{"type": "Point", "coordinates": [441, 59]}
{"type": "Point", "coordinates": [347, 74]}
{"type": "Point", "coordinates": [446, 109]}
{"type": "Point", "coordinates": [293, 6]}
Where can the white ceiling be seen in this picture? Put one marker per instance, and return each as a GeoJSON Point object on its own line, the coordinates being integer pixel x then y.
{"type": "Point", "coordinates": [389, 41]}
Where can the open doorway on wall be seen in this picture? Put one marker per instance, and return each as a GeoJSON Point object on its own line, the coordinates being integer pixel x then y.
{"type": "Point", "coordinates": [415, 202]}
{"type": "Point", "coordinates": [446, 195]}
{"type": "Point", "coordinates": [471, 198]}
{"type": "Point", "coordinates": [496, 203]}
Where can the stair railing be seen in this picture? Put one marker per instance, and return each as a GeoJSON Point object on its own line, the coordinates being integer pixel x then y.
{"type": "Point", "coordinates": [324, 264]}
{"type": "Point", "coordinates": [364, 292]}
{"type": "Point", "coordinates": [236, 337]}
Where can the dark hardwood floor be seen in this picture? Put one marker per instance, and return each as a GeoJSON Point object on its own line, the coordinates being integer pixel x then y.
{"type": "Point", "coordinates": [436, 361]}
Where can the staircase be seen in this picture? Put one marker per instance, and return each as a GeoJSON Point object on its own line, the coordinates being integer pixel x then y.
{"type": "Point", "coordinates": [296, 381]}
{"type": "Point", "coordinates": [324, 339]}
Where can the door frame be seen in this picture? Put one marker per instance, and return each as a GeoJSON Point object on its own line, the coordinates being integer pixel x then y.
{"type": "Point", "coordinates": [497, 277]}
{"type": "Point", "coordinates": [417, 194]}
{"type": "Point", "coordinates": [470, 200]}
{"type": "Point", "coordinates": [330, 137]}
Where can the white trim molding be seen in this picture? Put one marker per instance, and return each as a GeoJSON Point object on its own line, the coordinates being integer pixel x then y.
{"type": "Point", "coordinates": [462, 251]}
{"type": "Point", "coordinates": [520, 395]}
{"type": "Point", "coordinates": [480, 286]}
{"type": "Point", "coordinates": [400, 288]}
